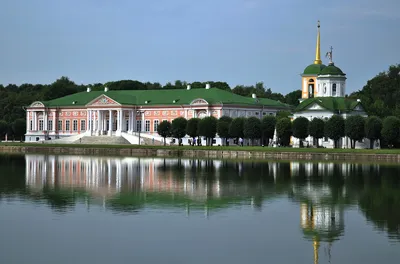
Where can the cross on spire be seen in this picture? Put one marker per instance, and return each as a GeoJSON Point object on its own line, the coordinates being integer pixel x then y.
{"type": "Point", "coordinates": [329, 55]}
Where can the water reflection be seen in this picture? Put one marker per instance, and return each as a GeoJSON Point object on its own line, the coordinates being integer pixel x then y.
{"type": "Point", "coordinates": [323, 191]}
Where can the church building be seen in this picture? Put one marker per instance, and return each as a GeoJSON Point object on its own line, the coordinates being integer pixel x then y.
{"type": "Point", "coordinates": [324, 95]}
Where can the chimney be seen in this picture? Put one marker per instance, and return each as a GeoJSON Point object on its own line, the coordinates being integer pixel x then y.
{"type": "Point", "coordinates": [88, 89]}
{"type": "Point", "coordinates": [208, 86]}
{"type": "Point", "coordinates": [254, 95]}
{"type": "Point", "coordinates": [106, 89]}
{"type": "Point", "coordinates": [188, 87]}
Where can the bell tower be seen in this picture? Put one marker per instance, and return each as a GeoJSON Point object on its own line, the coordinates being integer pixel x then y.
{"type": "Point", "coordinates": [311, 72]}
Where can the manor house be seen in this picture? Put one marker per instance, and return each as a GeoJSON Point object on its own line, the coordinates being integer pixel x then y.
{"type": "Point", "coordinates": [133, 115]}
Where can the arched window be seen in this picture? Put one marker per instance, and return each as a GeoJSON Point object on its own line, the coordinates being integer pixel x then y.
{"type": "Point", "coordinates": [311, 90]}
{"type": "Point", "coordinates": [311, 80]}
{"type": "Point", "coordinates": [334, 89]}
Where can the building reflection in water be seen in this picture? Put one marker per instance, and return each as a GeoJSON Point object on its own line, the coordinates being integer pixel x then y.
{"type": "Point", "coordinates": [106, 176]}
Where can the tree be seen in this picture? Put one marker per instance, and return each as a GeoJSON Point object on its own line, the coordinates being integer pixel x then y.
{"type": "Point", "coordinates": [192, 128]}
{"type": "Point", "coordinates": [334, 129]}
{"type": "Point", "coordinates": [252, 128]}
{"type": "Point", "coordinates": [391, 130]}
{"type": "Point", "coordinates": [164, 129]}
{"type": "Point", "coordinates": [223, 127]}
{"type": "Point", "coordinates": [381, 95]}
{"type": "Point", "coordinates": [178, 128]}
{"type": "Point", "coordinates": [316, 129]}
{"type": "Point", "coordinates": [268, 124]}
{"type": "Point", "coordinates": [355, 129]}
{"type": "Point", "coordinates": [283, 114]}
{"type": "Point", "coordinates": [373, 128]}
{"type": "Point", "coordinates": [284, 131]}
{"type": "Point", "coordinates": [19, 127]}
{"type": "Point", "coordinates": [300, 128]}
{"type": "Point", "coordinates": [208, 129]}
{"type": "Point", "coordinates": [292, 98]}
{"type": "Point", "coordinates": [236, 128]}
{"type": "Point", "coordinates": [3, 128]}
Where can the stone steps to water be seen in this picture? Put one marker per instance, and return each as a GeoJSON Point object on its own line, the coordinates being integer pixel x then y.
{"type": "Point", "coordinates": [102, 140]}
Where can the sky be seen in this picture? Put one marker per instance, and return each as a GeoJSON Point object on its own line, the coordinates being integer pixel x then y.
{"type": "Point", "coordinates": [238, 41]}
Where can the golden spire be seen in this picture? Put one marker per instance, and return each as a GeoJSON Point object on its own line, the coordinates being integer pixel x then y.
{"type": "Point", "coordinates": [318, 49]}
{"type": "Point", "coordinates": [316, 247]}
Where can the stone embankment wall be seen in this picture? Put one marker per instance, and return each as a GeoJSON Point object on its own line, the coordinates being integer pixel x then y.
{"type": "Point", "coordinates": [219, 154]}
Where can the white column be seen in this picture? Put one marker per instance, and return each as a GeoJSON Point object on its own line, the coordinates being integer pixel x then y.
{"type": "Point", "coordinates": [98, 123]}
{"type": "Point", "coordinates": [143, 121]}
{"type": "Point", "coordinates": [110, 121]}
{"type": "Point", "coordinates": [54, 121]}
{"type": "Point", "coordinates": [130, 122]}
{"type": "Point", "coordinates": [34, 117]}
{"type": "Point", "coordinates": [134, 121]}
{"type": "Point", "coordinates": [27, 121]}
{"type": "Point", "coordinates": [87, 121]}
{"type": "Point", "coordinates": [45, 122]}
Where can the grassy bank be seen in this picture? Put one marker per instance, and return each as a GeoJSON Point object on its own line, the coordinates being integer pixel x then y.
{"type": "Point", "coordinates": [214, 148]}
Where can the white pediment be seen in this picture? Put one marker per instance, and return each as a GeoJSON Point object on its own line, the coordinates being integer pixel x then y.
{"type": "Point", "coordinates": [37, 104]}
{"type": "Point", "coordinates": [315, 106]}
{"type": "Point", "coordinates": [103, 100]}
{"type": "Point", "coordinates": [199, 101]}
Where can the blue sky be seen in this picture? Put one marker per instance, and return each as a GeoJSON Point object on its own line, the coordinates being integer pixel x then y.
{"type": "Point", "coordinates": [237, 41]}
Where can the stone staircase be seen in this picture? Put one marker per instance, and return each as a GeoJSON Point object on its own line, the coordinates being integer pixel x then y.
{"type": "Point", "coordinates": [102, 140]}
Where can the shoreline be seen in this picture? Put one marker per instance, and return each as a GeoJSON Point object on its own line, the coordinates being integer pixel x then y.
{"type": "Point", "coordinates": [256, 153]}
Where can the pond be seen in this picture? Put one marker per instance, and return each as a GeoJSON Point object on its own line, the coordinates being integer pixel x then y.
{"type": "Point", "coordinates": [87, 209]}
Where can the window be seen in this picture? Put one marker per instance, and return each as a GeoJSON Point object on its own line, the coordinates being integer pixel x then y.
{"type": "Point", "coordinates": [83, 125]}
{"type": "Point", "coordinates": [31, 125]}
{"type": "Point", "coordinates": [67, 125]}
{"type": "Point", "coordinates": [59, 125]}
{"type": "Point", "coordinates": [75, 125]}
{"type": "Point", "coordinates": [127, 125]}
{"type": "Point", "coordinates": [50, 125]}
{"type": "Point", "coordinates": [155, 126]}
{"type": "Point", "coordinates": [40, 124]}
{"type": "Point", "coordinates": [334, 89]}
{"type": "Point", "coordinates": [311, 90]}
{"type": "Point", "coordinates": [147, 126]}
{"type": "Point", "coordinates": [264, 113]}
{"type": "Point", "coordinates": [138, 125]}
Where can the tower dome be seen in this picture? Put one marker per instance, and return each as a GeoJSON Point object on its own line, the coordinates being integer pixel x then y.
{"type": "Point", "coordinates": [314, 69]}
{"type": "Point", "coordinates": [331, 69]}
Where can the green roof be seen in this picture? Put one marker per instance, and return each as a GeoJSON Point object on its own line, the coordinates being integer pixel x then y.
{"type": "Point", "coordinates": [313, 69]}
{"type": "Point", "coordinates": [163, 97]}
{"type": "Point", "coordinates": [334, 104]}
{"type": "Point", "coordinates": [331, 69]}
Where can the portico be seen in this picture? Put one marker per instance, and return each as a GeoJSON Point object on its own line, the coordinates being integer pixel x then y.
{"type": "Point", "coordinates": [113, 121]}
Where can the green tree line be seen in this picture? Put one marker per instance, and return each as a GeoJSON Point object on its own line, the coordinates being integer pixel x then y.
{"type": "Point", "coordinates": [261, 131]}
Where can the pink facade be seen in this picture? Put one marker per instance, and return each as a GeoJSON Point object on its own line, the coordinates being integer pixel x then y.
{"type": "Point", "coordinates": [94, 119]}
